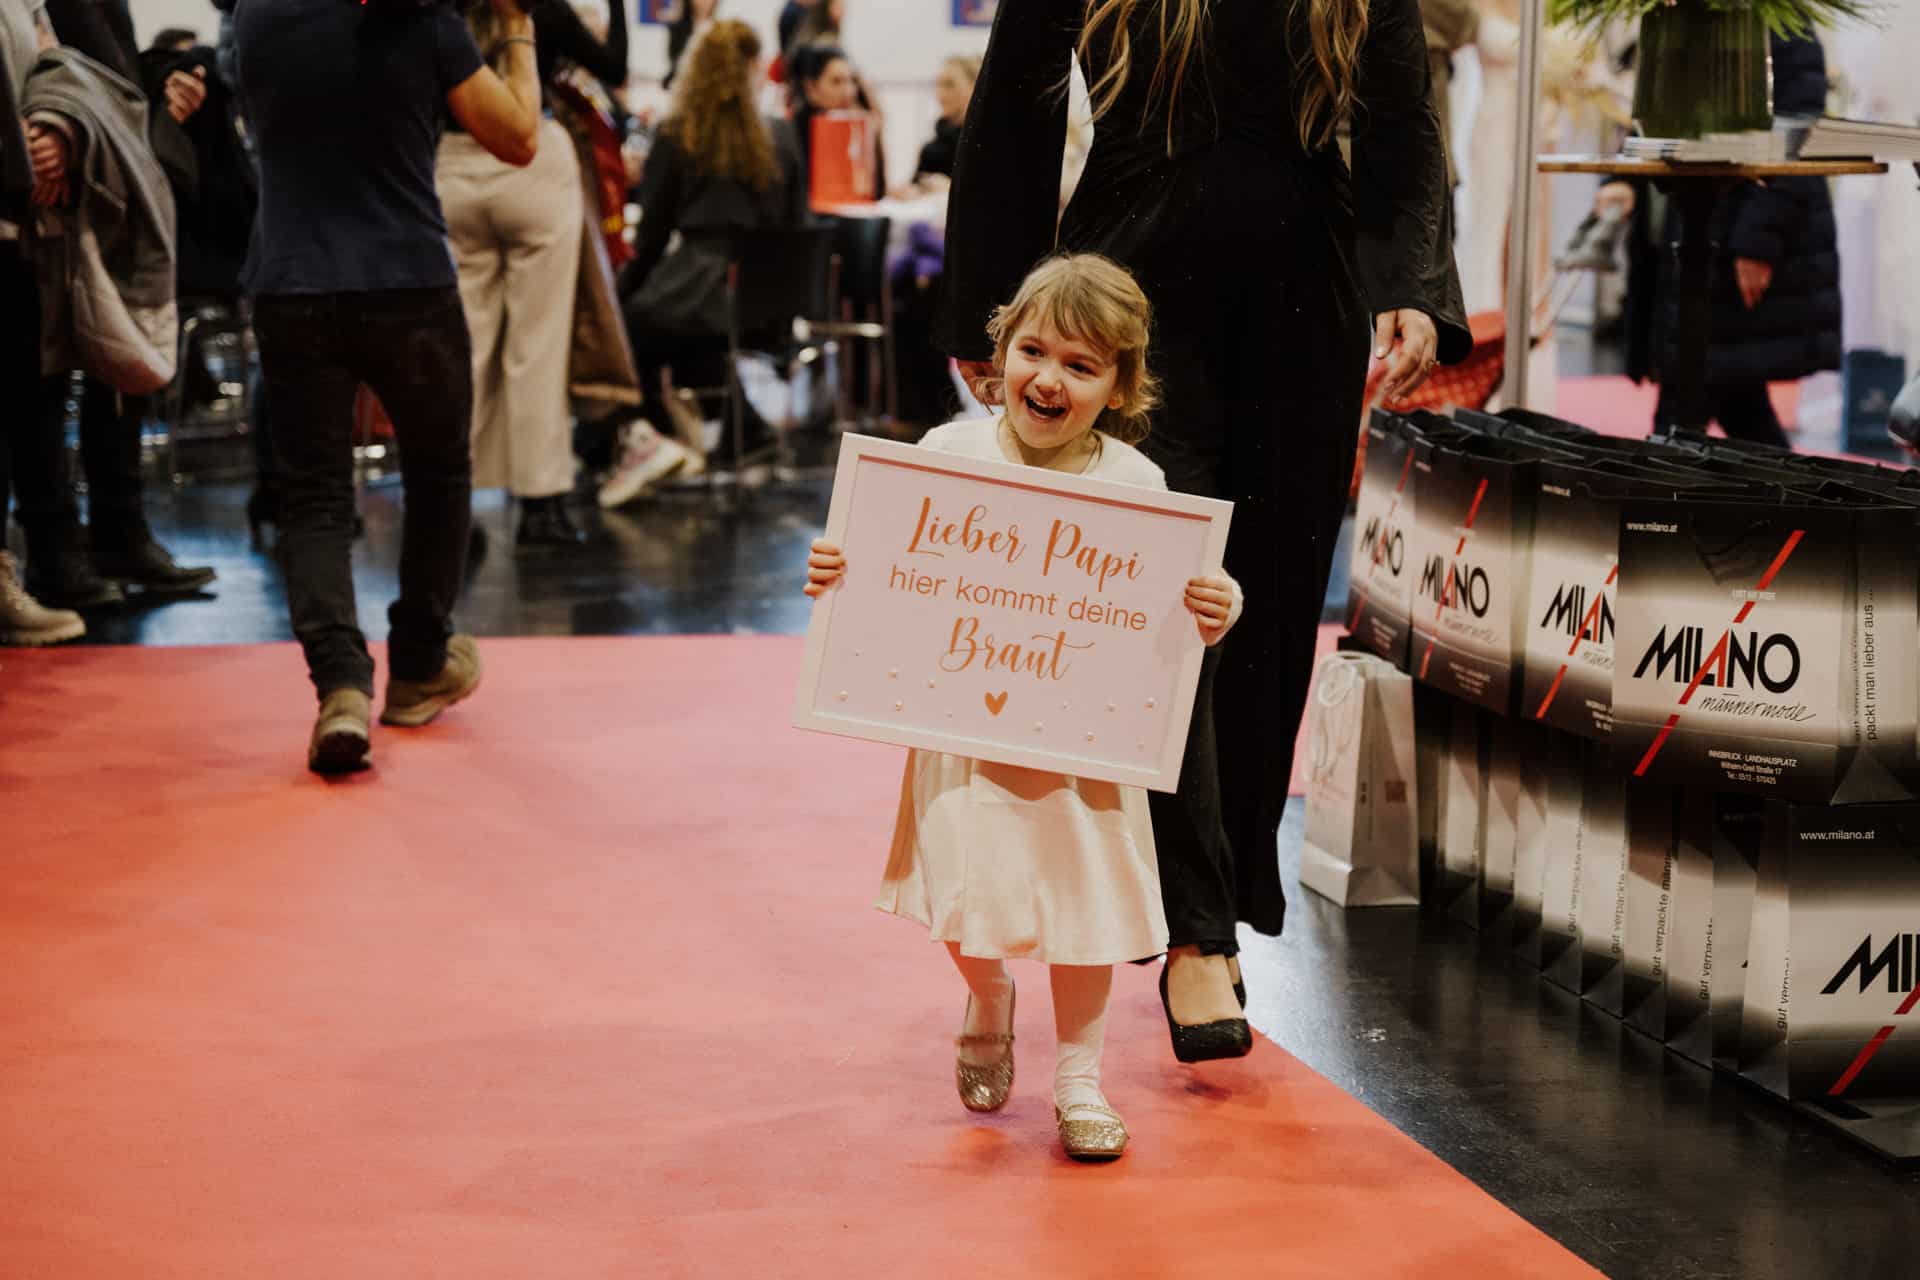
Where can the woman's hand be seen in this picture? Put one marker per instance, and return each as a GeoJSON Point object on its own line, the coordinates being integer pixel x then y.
{"type": "Point", "coordinates": [1215, 603]}
{"type": "Point", "coordinates": [1407, 341]}
{"type": "Point", "coordinates": [980, 377]}
{"type": "Point", "coordinates": [1753, 276]}
{"type": "Point", "coordinates": [825, 566]}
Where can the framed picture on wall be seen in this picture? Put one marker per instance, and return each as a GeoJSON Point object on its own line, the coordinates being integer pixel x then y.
{"type": "Point", "coordinates": [974, 13]}
{"type": "Point", "coordinates": [656, 13]}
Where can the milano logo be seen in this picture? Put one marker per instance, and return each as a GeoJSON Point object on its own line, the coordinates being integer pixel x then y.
{"type": "Point", "coordinates": [1895, 960]}
{"type": "Point", "coordinates": [1461, 586]}
{"type": "Point", "coordinates": [1768, 662]}
{"type": "Point", "coordinates": [1568, 613]}
{"type": "Point", "coordinates": [1382, 543]}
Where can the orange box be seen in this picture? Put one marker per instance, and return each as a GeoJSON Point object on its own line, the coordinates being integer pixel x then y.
{"type": "Point", "coordinates": [842, 164]}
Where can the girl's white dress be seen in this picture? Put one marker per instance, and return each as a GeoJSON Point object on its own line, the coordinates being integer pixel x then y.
{"type": "Point", "coordinates": [1019, 863]}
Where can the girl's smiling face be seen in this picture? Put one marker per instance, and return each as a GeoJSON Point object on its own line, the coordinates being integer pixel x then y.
{"type": "Point", "coordinates": [1056, 387]}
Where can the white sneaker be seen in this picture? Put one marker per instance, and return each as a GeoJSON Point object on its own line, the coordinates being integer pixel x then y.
{"type": "Point", "coordinates": [647, 459]}
{"type": "Point", "coordinates": [24, 620]}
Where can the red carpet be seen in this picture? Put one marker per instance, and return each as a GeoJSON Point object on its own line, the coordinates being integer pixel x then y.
{"type": "Point", "coordinates": [580, 982]}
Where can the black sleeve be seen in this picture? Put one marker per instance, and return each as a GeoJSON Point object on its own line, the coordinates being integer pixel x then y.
{"type": "Point", "coordinates": [1403, 216]}
{"type": "Point", "coordinates": [659, 210]}
{"type": "Point", "coordinates": [81, 25]}
{"type": "Point", "coordinates": [1004, 209]}
{"type": "Point", "coordinates": [1771, 214]}
{"type": "Point", "coordinates": [559, 33]}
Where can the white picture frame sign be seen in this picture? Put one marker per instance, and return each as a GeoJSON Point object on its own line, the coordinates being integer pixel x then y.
{"type": "Point", "coordinates": [1008, 613]}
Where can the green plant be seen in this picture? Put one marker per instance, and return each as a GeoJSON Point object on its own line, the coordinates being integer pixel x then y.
{"type": "Point", "coordinates": [1784, 17]}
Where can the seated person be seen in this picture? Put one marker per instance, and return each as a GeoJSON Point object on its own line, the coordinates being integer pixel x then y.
{"type": "Point", "coordinates": [820, 78]}
{"type": "Point", "coordinates": [716, 167]}
{"type": "Point", "coordinates": [953, 87]}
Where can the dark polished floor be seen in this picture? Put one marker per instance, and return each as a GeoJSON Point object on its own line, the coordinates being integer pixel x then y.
{"type": "Point", "coordinates": [1640, 1163]}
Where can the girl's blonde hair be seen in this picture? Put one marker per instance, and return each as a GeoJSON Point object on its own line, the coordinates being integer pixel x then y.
{"type": "Point", "coordinates": [1335, 31]}
{"type": "Point", "coordinates": [715, 121]}
{"type": "Point", "coordinates": [1087, 298]}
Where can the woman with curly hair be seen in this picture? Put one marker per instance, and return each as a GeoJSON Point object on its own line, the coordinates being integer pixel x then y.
{"type": "Point", "coordinates": [716, 167]}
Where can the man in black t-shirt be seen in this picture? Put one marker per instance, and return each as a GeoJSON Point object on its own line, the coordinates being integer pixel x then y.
{"type": "Point", "coordinates": [353, 285]}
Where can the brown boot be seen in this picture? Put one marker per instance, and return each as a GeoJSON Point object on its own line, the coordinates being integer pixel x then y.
{"type": "Point", "coordinates": [24, 620]}
{"type": "Point", "coordinates": [412, 703]}
{"type": "Point", "coordinates": [340, 733]}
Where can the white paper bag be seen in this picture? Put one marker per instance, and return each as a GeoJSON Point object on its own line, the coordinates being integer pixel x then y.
{"type": "Point", "coordinates": [1362, 846]}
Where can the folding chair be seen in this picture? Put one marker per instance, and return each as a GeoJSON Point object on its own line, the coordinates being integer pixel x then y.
{"type": "Point", "coordinates": [776, 278]}
{"type": "Point", "coordinates": [862, 311]}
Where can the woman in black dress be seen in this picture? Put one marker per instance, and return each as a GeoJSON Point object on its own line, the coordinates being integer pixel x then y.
{"type": "Point", "coordinates": [1214, 176]}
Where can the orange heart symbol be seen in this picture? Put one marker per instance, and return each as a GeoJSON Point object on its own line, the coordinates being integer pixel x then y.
{"type": "Point", "coordinates": [996, 701]}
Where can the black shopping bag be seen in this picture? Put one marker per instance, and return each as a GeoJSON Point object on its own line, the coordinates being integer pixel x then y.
{"type": "Point", "coordinates": [1768, 648]}
{"type": "Point", "coordinates": [1832, 1007]}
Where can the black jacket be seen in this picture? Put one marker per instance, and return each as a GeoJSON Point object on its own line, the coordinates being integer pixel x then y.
{"type": "Point", "coordinates": [1785, 222]}
{"type": "Point", "coordinates": [216, 191]}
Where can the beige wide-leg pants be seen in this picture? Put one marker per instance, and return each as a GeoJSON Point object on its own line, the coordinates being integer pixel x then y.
{"type": "Point", "coordinates": [516, 239]}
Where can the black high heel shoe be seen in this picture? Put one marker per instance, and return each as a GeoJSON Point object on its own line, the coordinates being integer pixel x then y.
{"type": "Point", "coordinates": [1205, 1041]}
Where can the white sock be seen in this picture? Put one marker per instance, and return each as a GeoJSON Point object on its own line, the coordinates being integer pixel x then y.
{"type": "Point", "coordinates": [1080, 1025]}
{"type": "Point", "coordinates": [992, 988]}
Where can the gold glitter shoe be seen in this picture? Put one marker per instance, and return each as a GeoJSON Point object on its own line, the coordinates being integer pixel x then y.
{"type": "Point", "coordinates": [1101, 1138]}
{"type": "Point", "coordinates": [985, 1088]}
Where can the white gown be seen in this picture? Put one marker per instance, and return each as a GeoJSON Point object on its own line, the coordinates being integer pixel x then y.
{"type": "Point", "coordinates": [1019, 863]}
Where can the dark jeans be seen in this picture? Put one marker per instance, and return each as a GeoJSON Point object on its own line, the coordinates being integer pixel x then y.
{"type": "Point", "coordinates": [19, 365]}
{"type": "Point", "coordinates": [1743, 410]}
{"type": "Point", "coordinates": [410, 346]}
{"type": "Point", "coordinates": [35, 467]}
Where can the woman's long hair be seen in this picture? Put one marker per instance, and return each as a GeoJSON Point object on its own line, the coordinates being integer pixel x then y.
{"type": "Point", "coordinates": [1335, 30]}
{"type": "Point", "coordinates": [714, 121]}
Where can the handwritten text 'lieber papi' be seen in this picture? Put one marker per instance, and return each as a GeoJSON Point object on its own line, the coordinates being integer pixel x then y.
{"type": "Point", "coordinates": [1041, 654]}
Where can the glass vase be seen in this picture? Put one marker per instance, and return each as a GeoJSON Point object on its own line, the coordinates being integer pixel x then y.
{"type": "Point", "coordinates": [1702, 71]}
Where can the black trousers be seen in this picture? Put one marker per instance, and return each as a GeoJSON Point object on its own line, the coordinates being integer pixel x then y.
{"type": "Point", "coordinates": [19, 366]}
{"type": "Point", "coordinates": [411, 347]}
{"type": "Point", "coordinates": [36, 470]}
{"type": "Point", "coordinates": [1743, 410]}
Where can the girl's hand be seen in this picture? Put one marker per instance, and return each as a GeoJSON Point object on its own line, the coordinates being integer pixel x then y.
{"type": "Point", "coordinates": [825, 566]}
{"type": "Point", "coordinates": [1215, 601]}
{"type": "Point", "coordinates": [1408, 364]}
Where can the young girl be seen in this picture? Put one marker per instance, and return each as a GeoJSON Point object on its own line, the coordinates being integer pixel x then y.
{"type": "Point", "coordinates": [1002, 862]}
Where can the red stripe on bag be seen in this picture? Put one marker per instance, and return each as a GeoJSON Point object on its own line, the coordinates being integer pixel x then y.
{"type": "Point", "coordinates": [1766, 579]}
{"type": "Point", "coordinates": [1720, 650]}
{"type": "Point", "coordinates": [1591, 620]}
{"type": "Point", "coordinates": [1860, 1063]}
{"type": "Point", "coordinates": [1379, 546]}
{"type": "Point", "coordinates": [1552, 691]}
{"type": "Point", "coordinates": [1446, 592]}
{"type": "Point", "coordinates": [1472, 511]}
{"type": "Point", "coordinates": [1659, 741]}
{"type": "Point", "coordinates": [1873, 1046]}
